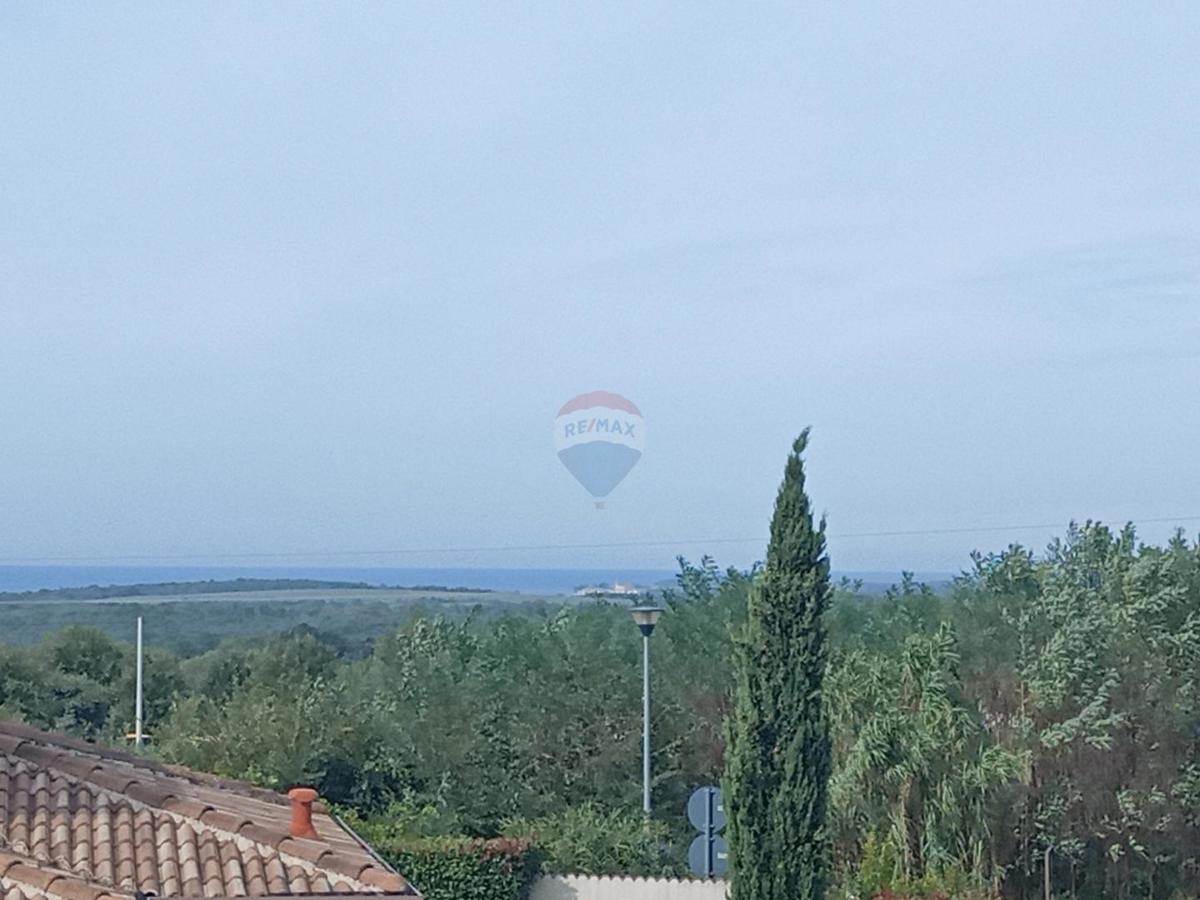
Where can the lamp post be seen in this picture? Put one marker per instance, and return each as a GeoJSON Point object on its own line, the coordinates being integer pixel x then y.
{"type": "Point", "coordinates": [646, 617]}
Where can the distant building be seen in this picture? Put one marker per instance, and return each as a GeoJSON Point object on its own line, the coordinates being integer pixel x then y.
{"type": "Point", "coordinates": [618, 588]}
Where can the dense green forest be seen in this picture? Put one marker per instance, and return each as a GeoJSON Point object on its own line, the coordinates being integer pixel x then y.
{"type": "Point", "coordinates": [179, 589]}
{"type": "Point", "coordinates": [190, 622]}
{"type": "Point", "coordinates": [1037, 719]}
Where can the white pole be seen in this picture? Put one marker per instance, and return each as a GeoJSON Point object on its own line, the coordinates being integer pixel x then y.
{"type": "Point", "coordinates": [646, 724]}
{"type": "Point", "coordinates": [137, 728]}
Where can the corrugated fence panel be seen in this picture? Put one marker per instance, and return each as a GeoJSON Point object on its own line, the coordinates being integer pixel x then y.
{"type": "Point", "coordinates": [588, 887]}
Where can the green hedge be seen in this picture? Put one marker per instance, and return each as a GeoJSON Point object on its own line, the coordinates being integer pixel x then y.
{"type": "Point", "coordinates": [591, 840]}
{"type": "Point", "coordinates": [454, 869]}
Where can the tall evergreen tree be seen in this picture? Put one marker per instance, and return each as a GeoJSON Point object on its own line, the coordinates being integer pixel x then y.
{"type": "Point", "coordinates": [778, 761]}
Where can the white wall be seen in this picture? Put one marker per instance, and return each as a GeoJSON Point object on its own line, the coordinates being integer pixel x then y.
{"type": "Point", "coordinates": [587, 887]}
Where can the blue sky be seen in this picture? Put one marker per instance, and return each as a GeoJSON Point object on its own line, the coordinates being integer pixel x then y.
{"type": "Point", "coordinates": [280, 278]}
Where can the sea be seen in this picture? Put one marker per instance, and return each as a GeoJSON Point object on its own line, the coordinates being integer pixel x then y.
{"type": "Point", "coordinates": [527, 581]}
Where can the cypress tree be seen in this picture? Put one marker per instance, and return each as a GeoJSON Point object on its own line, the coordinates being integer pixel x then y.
{"type": "Point", "coordinates": [778, 752]}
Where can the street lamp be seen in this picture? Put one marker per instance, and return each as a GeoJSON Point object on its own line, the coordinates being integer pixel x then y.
{"type": "Point", "coordinates": [646, 617]}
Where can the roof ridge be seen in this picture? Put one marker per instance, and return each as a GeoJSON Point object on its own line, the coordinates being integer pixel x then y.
{"type": "Point", "coordinates": [25, 732]}
{"type": "Point", "coordinates": [41, 880]}
{"type": "Point", "coordinates": [261, 837]}
{"type": "Point", "coordinates": [144, 787]}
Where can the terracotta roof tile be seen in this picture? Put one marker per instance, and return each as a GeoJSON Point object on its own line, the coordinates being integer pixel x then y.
{"type": "Point", "coordinates": [150, 794]}
{"type": "Point", "coordinates": [344, 865]}
{"type": "Point", "coordinates": [388, 882]}
{"type": "Point", "coordinates": [168, 876]}
{"type": "Point", "coordinates": [255, 876]}
{"type": "Point", "coordinates": [7, 860]}
{"type": "Point", "coordinates": [298, 883]}
{"type": "Point", "coordinates": [261, 834]}
{"type": "Point", "coordinates": [45, 757]}
{"type": "Point", "coordinates": [277, 882]}
{"type": "Point", "coordinates": [79, 822]}
{"type": "Point", "coordinates": [304, 848]}
{"type": "Point", "coordinates": [225, 821]}
{"type": "Point", "coordinates": [186, 806]}
{"type": "Point", "coordinates": [74, 889]}
{"type": "Point", "coordinates": [30, 875]}
{"type": "Point", "coordinates": [111, 779]}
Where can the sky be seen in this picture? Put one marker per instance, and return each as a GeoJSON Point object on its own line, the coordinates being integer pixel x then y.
{"type": "Point", "coordinates": [309, 281]}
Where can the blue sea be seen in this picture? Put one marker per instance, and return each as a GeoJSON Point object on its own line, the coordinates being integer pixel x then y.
{"type": "Point", "coordinates": [527, 581]}
{"type": "Point", "coordinates": [530, 581]}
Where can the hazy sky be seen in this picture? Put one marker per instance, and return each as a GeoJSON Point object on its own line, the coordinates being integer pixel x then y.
{"type": "Point", "coordinates": [289, 278]}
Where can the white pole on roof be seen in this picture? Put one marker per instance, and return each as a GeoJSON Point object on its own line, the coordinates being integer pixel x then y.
{"type": "Point", "coordinates": [137, 726]}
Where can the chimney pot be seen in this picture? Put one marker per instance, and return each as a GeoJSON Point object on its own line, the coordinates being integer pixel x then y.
{"type": "Point", "coordinates": [301, 825]}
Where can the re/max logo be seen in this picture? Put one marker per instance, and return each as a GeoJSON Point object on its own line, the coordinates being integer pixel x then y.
{"type": "Point", "coordinates": [598, 426]}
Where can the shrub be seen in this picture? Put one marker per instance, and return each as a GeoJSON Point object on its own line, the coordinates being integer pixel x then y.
{"type": "Point", "coordinates": [454, 868]}
{"type": "Point", "coordinates": [878, 877]}
{"type": "Point", "coordinates": [590, 840]}
{"type": "Point", "coordinates": [413, 837]}
{"type": "Point", "coordinates": [402, 822]}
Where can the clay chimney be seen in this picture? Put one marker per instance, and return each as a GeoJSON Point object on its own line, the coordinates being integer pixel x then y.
{"type": "Point", "coordinates": [302, 824]}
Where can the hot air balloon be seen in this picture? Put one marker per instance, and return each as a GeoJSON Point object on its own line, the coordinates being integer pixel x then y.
{"type": "Point", "coordinates": [599, 438]}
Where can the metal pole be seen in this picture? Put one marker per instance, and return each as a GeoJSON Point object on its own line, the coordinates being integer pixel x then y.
{"type": "Point", "coordinates": [646, 724]}
{"type": "Point", "coordinates": [137, 726]}
{"type": "Point", "coordinates": [708, 832]}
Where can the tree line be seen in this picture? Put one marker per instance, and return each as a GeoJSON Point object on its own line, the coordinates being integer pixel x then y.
{"type": "Point", "coordinates": [1034, 723]}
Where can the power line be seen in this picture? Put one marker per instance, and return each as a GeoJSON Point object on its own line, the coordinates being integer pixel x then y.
{"type": "Point", "coordinates": [993, 528]}
{"type": "Point", "coordinates": [520, 548]}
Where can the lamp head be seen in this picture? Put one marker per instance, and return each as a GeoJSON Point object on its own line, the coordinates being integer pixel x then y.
{"type": "Point", "coordinates": [646, 617]}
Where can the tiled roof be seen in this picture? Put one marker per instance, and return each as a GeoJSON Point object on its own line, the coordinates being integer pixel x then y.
{"type": "Point", "coordinates": [81, 822]}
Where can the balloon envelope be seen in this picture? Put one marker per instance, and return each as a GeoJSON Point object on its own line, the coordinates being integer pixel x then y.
{"type": "Point", "coordinates": [599, 438]}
